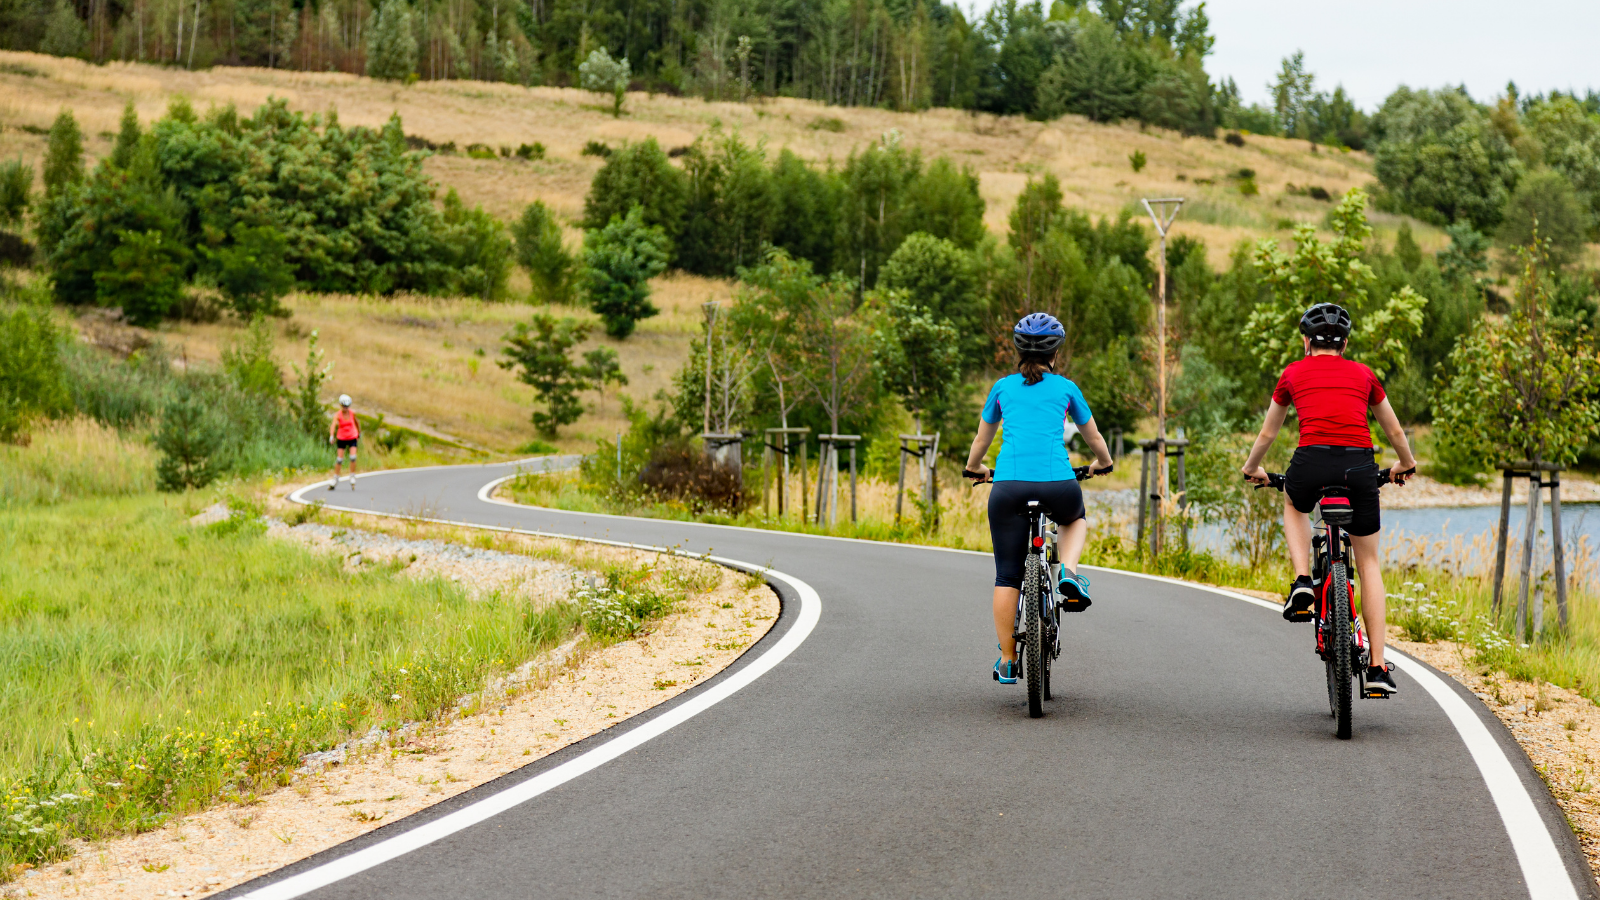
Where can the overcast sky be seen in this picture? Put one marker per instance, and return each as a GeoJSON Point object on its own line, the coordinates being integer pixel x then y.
{"type": "Point", "coordinates": [1371, 46]}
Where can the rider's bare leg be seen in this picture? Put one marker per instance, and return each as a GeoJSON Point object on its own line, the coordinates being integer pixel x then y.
{"type": "Point", "coordinates": [338, 463]}
{"type": "Point", "coordinates": [1373, 601]}
{"type": "Point", "coordinates": [1069, 543]}
{"type": "Point", "coordinates": [1297, 532]}
{"type": "Point", "coordinates": [1005, 617]}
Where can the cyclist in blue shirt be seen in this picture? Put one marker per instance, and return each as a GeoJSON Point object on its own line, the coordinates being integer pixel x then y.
{"type": "Point", "coordinates": [1035, 405]}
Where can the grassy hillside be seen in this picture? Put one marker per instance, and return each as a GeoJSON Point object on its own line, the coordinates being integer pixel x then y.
{"type": "Point", "coordinates": [417, 359]}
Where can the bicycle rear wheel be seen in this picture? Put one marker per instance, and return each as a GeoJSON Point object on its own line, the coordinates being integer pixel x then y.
{"type": "Point", "coordinates": [1337, 641]}
{"type": "Point", "coordinates": [1034, 648]}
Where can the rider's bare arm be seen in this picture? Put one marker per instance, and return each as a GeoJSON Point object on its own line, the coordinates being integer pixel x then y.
{"type": "Point", "coordinates": [1390, 423]}
{"type": "Point", "coordinates": [980, 446]}
{"type": "Point", "coordinates": [1091, 433]}
{"type": "Point", "coordinates": [1269, 433]}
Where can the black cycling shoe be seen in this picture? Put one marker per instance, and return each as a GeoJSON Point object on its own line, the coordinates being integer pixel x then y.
{"type": "Point", "coordinates": [1297, 608]}
{"type": "Point", "coordinates": [1379, 683]}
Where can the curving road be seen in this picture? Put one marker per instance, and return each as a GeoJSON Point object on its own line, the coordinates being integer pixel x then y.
{"type": "Point", "coordinates": [866, 752]}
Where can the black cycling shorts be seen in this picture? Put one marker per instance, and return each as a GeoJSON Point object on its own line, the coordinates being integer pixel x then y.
{"type": "Point", "coordinates": [344, 444]}
{"type": "Point", "coordinates": [1008, 520]}
{"type": "Point", "coordinates": [1313, 468]}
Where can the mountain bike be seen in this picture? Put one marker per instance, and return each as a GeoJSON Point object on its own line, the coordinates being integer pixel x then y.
{"type": "Point", "coordinates": [1341, 640]}
{"type": "Point", "coordinates": [1037, 628]}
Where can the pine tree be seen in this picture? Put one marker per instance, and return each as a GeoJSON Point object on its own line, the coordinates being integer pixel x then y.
{"type": "Point", "coordinates": [188, 440]}
{"type": "Point", "coordinates": [541, 253]}
{"type": "Point", "coordinates": [63, 155]}
{"type": "Point", "coordinates": [391, 44]}
{"type": "Point", "coordinates": [127, 138]}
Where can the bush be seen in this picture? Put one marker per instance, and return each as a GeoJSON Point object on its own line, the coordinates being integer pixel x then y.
{"type": "Point", "coordinates": [680, 471]}
{"type": "Point", "coordinates": [254, 272]}
{"type": "Point", "coordinates": [1136, 159]}
{"type": "Point", "coordinates": [604, 75]}
{"type": "Point", "coordinates": [32, 379]}
{"type": "Point", "coordinates": [189, 440]}
{"type": "Point", "coordinates": [542, 254]}
{"type": "Point", "coordinates": [1234, 139]}
{"type": "Point", "coordinates": [16, 189]}
{"type": "Point", "coordinates": [531, 151]}
{"type": "Point", "coordinates": [596, 148]}
{"type": "Point", "coordinates": [638, 175]}
{"type": "Point", "coordinates": [145, 277]}
{"type": "Point", "coordinates": [619, 262]}
{"type": "Point", "coordinates": [1439, 159]}
{"type": "Point", "coordinates": [1545, 205]}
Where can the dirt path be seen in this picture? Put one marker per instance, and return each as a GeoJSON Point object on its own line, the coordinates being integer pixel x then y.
{"type": "Point", "coordinates": [564, 696]}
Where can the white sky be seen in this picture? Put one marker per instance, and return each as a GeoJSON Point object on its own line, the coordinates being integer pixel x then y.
{"type": "Point", "coordinates": [1372, 46]}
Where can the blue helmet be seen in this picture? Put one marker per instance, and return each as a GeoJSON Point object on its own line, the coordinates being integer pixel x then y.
{"type": "Point", "coordinates": [1038, 333]}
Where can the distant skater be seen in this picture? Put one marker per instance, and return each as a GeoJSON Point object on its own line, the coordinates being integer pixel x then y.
{"type": "Point", "coordinates": [344, 434]}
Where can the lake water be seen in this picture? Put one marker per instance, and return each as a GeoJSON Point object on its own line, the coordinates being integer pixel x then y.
{"type": "Point", "coordinates": [1467, 522]}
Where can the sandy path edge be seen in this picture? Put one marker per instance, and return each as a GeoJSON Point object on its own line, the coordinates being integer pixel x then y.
{"type": "Point", "coordinates": [567, 694]}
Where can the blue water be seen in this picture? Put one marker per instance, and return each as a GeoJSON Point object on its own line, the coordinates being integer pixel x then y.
{"type": "Point", "coordinates": [1577, 520]}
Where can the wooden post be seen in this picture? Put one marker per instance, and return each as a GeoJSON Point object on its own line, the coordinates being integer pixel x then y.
{"type": "Point", "coordinates": [1559, 555]}
{"type": "Point", "coordinates": [1183, 490]}
{"type": "Point", "coordinates": [766, 473]}
{"type": "Point", "coordinates": [1144, 492]}
{"type": "Point", "coordinates": [804, 477]}
{"type": "Point", "coordinates": [900, 489]}
{"type": "Point", "coordinates": [1527, 551]}
{"type": "Point", "coordinates": [1500, 544]}
{"type": "Point", "coordinates": [933, 480]}
{"type": "Point", "coordinates": [853, 488]}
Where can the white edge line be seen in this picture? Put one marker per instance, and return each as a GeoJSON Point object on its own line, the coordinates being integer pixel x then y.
{"type": "Point", "coordinates": [1543, 868]}
{"type": "Point", "coordinates": [444, 826]}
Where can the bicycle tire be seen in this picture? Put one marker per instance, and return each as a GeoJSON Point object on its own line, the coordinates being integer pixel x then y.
{"type": "Point", "coordinates": [1033, 650]}
{"type": "Point", "coordinates": [1341, 676]}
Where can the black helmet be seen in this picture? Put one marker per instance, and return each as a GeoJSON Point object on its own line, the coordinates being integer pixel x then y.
{"type": "Point", "coordinates": [1327, 324]}
{"type": "Point", "coordinates": [1038, 333]}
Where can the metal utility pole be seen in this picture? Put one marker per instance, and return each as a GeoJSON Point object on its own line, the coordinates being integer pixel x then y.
{"type": "Point", "coordinates": [710, 308]}
{"type": "Point", "coordinates": [1168, 210]}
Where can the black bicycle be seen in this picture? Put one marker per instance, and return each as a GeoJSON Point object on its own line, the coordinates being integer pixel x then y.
{"type": "Point", "coordinates": [1037, 627]}
{"type": "Point", "coordinates": [1341, 641]}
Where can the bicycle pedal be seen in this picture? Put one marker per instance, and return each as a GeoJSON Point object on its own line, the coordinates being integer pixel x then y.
{"type": "Point", "coordinates": [1074, 605]}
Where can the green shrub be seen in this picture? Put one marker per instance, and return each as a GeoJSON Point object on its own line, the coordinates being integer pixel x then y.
{"type": "Point", "coordinates": [189, 440]}
{"type": "Point", "coordinates": [479, 249]}
{"type": "Point", "coordinates": [541, 252]}
{"type": "Point", "coordinates": [247, 360]}
{"type": "Point", "coordinates": [254, 271]}
{"type": "Point", "coordinates": [596, 148]}
{"type": "Point", "coordinates": [392, 42]}
{"type": "Point", "coordinates": [619, 261]}
{"type": "Point", "coordinates": [16, 190]}
{"type": "Point", "coordinates": [531, 151]}
{"type": "Point", "coordinates": [541, 357]}
{"type": "Point", "coordinates": [1137, 160]}
{"type": "Point", "coordinates": [146, 276]}
{"type": "Point", "coordinates": [32, 379]}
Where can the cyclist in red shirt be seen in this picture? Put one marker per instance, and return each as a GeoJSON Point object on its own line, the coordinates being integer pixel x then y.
{"type": "Point", "coordinates": [344, 433]}
{"type": "Point", "coordinates": [1332, 395]}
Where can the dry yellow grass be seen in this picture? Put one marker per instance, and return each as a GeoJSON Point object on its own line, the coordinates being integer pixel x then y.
{"type": "Point", "coordinates": [416, 359]}
{"type": "Point", "coordinates": [1091, 160]}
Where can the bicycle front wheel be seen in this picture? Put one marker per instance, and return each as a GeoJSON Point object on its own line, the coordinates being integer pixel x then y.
{"type": "Point", "coordinates": [1338, 642]}
{"type": "Point", "coordinates": [1034, 649]}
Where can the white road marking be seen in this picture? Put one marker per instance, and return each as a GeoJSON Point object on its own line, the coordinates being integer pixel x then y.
{"type": "Point", "coordinates": [1542, 866]}
{"type": "Point", "coordinates": [444, 826]}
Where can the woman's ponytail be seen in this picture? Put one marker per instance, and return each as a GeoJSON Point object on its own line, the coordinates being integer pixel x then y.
{"type": "Point", "coordinates": [1034, 365]}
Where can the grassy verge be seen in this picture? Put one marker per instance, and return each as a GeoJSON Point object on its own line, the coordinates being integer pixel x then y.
{"type": "Point", "coordinates": [150, 668]}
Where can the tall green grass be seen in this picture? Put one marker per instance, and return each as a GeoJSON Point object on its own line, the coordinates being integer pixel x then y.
{"type": "Point", "coordinates": [148, 667]}
{"type": "Point", "coordinates": [75, 460]}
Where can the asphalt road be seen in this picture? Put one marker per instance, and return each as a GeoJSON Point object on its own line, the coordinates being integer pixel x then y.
{"type": "Point", "coordinates": [1188, 753]}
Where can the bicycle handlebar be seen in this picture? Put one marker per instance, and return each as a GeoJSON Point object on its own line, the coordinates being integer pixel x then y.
{"type": "Point", "coordinates": [1385, 476]}
{"type": "Point", "coordinates": [1080, 472]}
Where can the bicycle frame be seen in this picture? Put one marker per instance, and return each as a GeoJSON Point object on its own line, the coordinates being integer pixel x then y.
{"type": "Point", "coordinates": [1332, 546]}
{"type": "Point", "coordinates": [1042, 539]}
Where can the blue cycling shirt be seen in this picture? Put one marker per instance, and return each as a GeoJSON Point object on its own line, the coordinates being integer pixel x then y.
{"type": "Point", "coordinates": [1033, 446]}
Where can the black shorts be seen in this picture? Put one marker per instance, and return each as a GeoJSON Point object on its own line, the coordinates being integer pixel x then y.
{"type": "Point", "coordinates": [1313, 468]}
{"type": "Point", "coordinates": [1008, 520]}
{"type": "Point", "coordinates": [347, 444]}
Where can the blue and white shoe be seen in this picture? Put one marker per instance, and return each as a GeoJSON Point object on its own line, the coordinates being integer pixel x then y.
{"type": "Point", "coordinates": [1005, 671]}
{"type": "Point", "coordinates": [1074, 590]}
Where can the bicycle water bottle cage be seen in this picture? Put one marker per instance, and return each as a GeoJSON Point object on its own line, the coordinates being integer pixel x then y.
{"type": "Point", "coordinates": [1336, 510]}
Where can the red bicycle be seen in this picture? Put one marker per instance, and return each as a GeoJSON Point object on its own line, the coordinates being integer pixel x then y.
{"type": "Point", "coordinates": [1341, 640]}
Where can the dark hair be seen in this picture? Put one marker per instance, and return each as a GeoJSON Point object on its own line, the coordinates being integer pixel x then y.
{"type": "Point", "coordinates": [1034, 365]}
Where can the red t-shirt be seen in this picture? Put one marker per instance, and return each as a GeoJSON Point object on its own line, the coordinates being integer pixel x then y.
{"type": "Point", "coordinates": [1331, 394]}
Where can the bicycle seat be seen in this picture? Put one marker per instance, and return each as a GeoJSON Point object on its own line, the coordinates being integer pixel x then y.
{"type": "Point", "coordinates": [1336, 508]}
